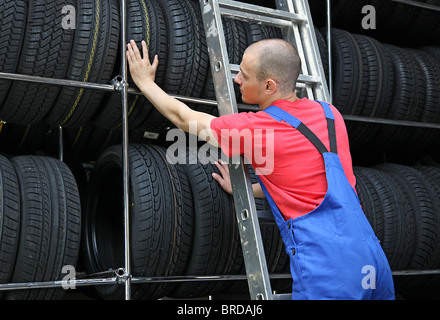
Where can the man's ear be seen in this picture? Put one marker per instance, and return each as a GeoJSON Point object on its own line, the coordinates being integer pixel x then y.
{"type": "Point", "coordinates": [271, 86]}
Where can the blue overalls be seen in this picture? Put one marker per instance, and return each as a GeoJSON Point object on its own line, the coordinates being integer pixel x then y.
{"type": "Point", "coordinates": [333, 251]}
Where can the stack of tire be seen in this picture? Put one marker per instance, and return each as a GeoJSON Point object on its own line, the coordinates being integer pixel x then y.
{"type": "Point", "coordinates": [402, 206]}
{"type": "Point", "coordinates": [378, 80]}
{"type": "Point", "coordinates": [40, 224]}
{"type": "Point", "coordinates": [390, 72]}
{"type": "Point", "coordinates": [182, 223]}
{"type": "Point", "coordinates": [36, 42]}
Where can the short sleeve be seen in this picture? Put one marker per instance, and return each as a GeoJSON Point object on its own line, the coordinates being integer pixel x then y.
{"type": "Point", "coordinates": [233, 132]}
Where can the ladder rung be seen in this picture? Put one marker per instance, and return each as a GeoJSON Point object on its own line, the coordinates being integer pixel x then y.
{"type": "Point", "coordinates": [282, 296]}
{"type": "Point", "coordinates": [250, 12]}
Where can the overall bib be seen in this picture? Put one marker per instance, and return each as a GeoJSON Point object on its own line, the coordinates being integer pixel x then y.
{"type": "Point", "coordinates": [333, 251]}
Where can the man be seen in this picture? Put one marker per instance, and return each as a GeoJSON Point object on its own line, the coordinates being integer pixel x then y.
{"type": "Point", "coordinates": [333, 251]}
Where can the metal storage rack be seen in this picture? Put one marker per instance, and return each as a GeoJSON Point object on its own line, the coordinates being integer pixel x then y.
{"type": "Point", "coordinates": [122, 275]}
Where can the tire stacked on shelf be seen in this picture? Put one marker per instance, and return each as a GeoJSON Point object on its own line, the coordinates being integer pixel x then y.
{"type": "Point", "coordinates": [174, 31]}
{"type": "Point", "coordinates": [214, 246]}
{"type": "Point", "coordinates": [401, 204]}
{"type": "Point", "coordinates": [13, 21]}
{"type": "Point", "coordinates": [165, 232]}
{"type": "Point", "coordinates": [160, 219]}
{"type": "Point", "coordinates": [9, 219]}
{"type": "Point", "coordinates": [377, 80]}
{"type": "Point", "coordinates": [145, 22]}
{"type": "Point", "coordinates": [182, 223]}
{"type": "Point", "coordinates": [169, 238]}
{"type": "Point", "coordinates": [187, 62]}
{"type": "Point", "coordinates": [92, 59]}
{"type": "Point", "coordinates": [40, 223]}
{"type": "Point", "coordinates": [45, 52]}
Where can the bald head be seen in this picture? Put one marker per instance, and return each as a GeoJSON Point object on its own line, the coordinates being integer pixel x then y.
{"type": "Point", "coordinates": [279, 60]}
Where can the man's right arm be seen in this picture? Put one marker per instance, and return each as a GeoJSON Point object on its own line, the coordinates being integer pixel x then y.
{"type": "Point", "coordinates": [143, 74]}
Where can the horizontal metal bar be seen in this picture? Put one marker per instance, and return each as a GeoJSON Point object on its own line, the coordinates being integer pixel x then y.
{"type": "Point", "coordinates": [202, 278]}
{"type": "Point", "coordinates": [419, 4]}
{"type": "Point", "coordinates": [282, 296]}
{"type": "Point", "coordinates": [242, 107]}
{"type": "Point", "coordinates": [117, 280]}
{"type": "Point", "coordinates": [251, 12]}
{"type": "Point", "coordinates": [391, 121]}
{"type": "Point", "coordinates": [414, 272]}
{"type": "Point", "coordinates": [59, 82]}
{"type": "Point", "coordinates": [56, 284]}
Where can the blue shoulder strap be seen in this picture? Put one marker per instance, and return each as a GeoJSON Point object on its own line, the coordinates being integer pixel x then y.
{"type": "Point", "coordinates": [281, 115]}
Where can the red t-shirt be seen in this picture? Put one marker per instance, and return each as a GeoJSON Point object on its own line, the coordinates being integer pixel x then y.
{"type": "Point", "coordinates": [288, 164]}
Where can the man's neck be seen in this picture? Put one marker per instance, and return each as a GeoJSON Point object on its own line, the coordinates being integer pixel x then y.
{"type": "Point", "coordinates": [290, 97]}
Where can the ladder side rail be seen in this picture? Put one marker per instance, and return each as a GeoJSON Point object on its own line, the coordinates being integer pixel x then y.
{"type": "Point", "coordinates": [251, 241]}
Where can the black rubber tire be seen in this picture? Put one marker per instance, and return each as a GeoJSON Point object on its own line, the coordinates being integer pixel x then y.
{"type": "Point", "coordinates": [376, 86]}
{"type": "Point", "coordinates": [187, 63]}
{"type": "Point", "coordinates": [50, 225]}
{"type": "Point", "coordinates": [145, 22]}
{"type": "Point", "coordinates": [381, 201]}
{"type": "Point", "coordinates": [407, 100]}
{"type": "Point", "coordinates": [214, 245]}
{"type": "Point", "coordinates": [12, 27]}
{"type": "Point", "coordinates": [347, 72]}
{"type": "Point", "coordinates": [422, 139]}
{"type": "Point", "coordinates": [159, 205]}
{"type": "Point", "coordinates": [92, 59]}
{"type": "Point", "coordinates": [419, 195]}
{"type": "Point", "coordinates": [9, 219]}
{"type": "Point", "coordinates": [46, 52]}
{"type": "Point", "coordinates": [180, 232]}
{"type": "Point", "coordinates": [256, 32]}
{"type": "Point", "coordinates": [432, 176]}
{"type": "Point", "coordinates": [200, 57]}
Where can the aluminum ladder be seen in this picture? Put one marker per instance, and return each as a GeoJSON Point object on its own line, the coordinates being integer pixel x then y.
{"type": "Point", "coordinates": [294, 19]}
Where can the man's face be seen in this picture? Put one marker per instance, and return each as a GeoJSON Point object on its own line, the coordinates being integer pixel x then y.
{"type": "Point", "coordinates": [251, 88]}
